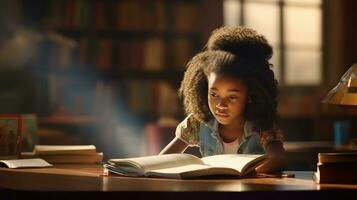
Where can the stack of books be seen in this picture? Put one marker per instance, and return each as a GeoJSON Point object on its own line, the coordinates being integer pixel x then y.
{"type": "Point", "coordinates": [337, 168]}
{"type": "Point", "coordinates": [65, 154]}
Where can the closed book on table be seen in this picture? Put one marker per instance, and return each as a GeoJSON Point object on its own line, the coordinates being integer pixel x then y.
{"type": "Point", "coordinates": [337, 168]}
{"type": "Point", "coordinates": [65, 154]}
{"type": "Point", "coordinates": [66, 158]}
{"type": "Point", "coordinates": [65, 149]}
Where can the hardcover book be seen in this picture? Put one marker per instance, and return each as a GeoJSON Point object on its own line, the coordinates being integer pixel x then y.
{"type": "Point", "coordinates": [10, 135]}
{"type": "Point", "coordinates": [60, 154]}
{"type": "Point", "coordinates": [182, 166]}
{"type": "Point", "coordinates": [336, 168]}
{"type": "Point", "coordinates": [64, 149]}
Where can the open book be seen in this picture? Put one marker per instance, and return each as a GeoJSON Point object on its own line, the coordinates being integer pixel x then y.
{"type": "Point", "coordinates": [24, 163]}
{"type": "Point", "coordinates": [185, 165]}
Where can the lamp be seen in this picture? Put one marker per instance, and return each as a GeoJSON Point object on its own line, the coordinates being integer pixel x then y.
{"type": "Point", "coordinates": [345, 92]}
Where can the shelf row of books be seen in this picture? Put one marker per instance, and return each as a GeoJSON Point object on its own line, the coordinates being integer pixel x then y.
{"type": "Point", "coordinates": [126, 15]}
{"type": "Point", "coordinates": [151, 54]}
{"type": "Point", "coordinates": [298, 104]}
{"type": "Point", "coordinates": [152, 97]}
{"type": "Point", "coordinates": [79, 96]}
{"type": "Point", "coordinates": [103, 54]}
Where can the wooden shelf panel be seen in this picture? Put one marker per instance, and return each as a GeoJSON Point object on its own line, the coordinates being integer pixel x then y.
{"type": "Point", "coordinates": [81, 32]}
{"type": "Point", "coordinates": [68, 120]}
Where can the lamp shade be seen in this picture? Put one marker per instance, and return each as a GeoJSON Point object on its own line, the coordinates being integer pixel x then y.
{"type": "Point", "coordinates": [345, 92]}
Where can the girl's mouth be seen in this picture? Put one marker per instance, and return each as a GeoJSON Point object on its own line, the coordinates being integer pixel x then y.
{"type": "Point", "coordinates": [222, 114]}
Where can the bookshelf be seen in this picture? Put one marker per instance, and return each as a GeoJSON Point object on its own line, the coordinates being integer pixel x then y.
{"type": "Point", "coordinates": [97, 54]}
{"type": "Point", "coordinates": [98, 66]}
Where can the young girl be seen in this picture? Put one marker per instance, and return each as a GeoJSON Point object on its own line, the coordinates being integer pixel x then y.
{"type": "Point", "coordinates": [230, 95]}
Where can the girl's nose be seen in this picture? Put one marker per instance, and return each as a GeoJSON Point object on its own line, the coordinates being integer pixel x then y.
{"type": "Point", "coordinates": [221, 103]}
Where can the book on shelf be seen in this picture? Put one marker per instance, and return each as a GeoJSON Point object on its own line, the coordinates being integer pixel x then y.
{"type": "Point", "coordinates": [148, 96]}
{"type": "Point", "coordinates": [65, 154]}
{"type": "Point", "coordinates": [104, 59]}
{"type": "Point", "coordinates": [189, 21]}
{"type": "Point", "coordinates": [100, 13]}
{"type": "Point", "coordinates": [18, 132]}
{"type": "Point", "coordinates": [336, 168]}
{"type": "Point", "coordinates": [154, 49]}
{"type": "Point", "coordinates": [183, 166]}
{"type": "Point", "coordinates": [135, 15]}
{"type": "Point", "coordinates": [183, 49]}
{"type": "Point", "coordinates": [11, 131]}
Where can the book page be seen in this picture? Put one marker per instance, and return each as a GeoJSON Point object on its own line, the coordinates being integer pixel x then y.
{"type": "Point", "coordinates": [25, 163]}
{"type": "Point", "coordinates": [235, 161]}
{"type": "Point", "coordinates": [148, 163]}
{"type": "Point", "coordinates": [190, 171]}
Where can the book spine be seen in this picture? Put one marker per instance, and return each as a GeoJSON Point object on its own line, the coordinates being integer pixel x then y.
{"type": "Point", "coordinates": [337, 172]}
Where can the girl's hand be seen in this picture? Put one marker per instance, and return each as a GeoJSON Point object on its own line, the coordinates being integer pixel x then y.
{"type": "Point", "coordinates": [274, 163]}
{"type": "Point", "coordinates": [277, 160]}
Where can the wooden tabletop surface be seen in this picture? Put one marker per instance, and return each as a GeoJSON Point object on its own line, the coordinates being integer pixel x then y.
{"type": "Point", "coordinates": [91, 178]}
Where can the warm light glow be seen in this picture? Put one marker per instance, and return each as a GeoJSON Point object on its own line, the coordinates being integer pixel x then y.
{"type": "Point", "coordinates": [231, 14]}
{"type": "Point", "coordinates": [303, 67]}
{"type": "Point", "coordinates": [302, 33]}
{"type": "Point", "coordinates": [264, 18]}
{"type": "Point", "coordinates": [303, 26]}
{"type": "Point", "coordinates": [345, 92]}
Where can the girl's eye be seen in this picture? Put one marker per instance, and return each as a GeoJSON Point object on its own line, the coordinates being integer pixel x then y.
{"type": "Point", "coordinates": [213, 94]}
{"type": "Point", "coordinates": [233, 97]}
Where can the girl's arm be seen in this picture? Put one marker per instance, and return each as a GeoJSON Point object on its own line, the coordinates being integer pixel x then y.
{"type": "Point", "coordinates": [175, 146]}
{"type": "Point", "coordinates": [187, 131]}
{"type": "Point", "coordinates": [277, 160]}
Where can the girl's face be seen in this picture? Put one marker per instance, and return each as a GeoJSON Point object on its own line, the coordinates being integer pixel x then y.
{"type": "Point", "coordinates": [227, 98]}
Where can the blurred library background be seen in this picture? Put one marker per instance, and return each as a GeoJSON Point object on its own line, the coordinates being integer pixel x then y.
{"type": "Point", "coordinates": [106, 72]}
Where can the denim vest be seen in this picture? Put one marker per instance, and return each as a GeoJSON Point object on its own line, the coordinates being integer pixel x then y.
{"type": "Point", "coordinates": [206, 136]}
{"type": "Point", "coordinates": [211, 142]}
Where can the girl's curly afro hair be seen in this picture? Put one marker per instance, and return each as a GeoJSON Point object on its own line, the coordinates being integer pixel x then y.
{"type": "Point", "coordinates": [238, 53]}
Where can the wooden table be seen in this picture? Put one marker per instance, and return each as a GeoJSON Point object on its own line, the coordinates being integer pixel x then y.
{"type": "Point", "coordinates": [89, 181]}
